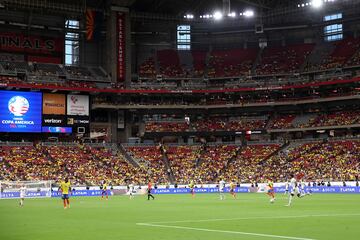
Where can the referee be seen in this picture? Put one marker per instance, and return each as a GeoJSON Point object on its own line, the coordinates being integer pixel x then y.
{"type": "Point", "coordinates": [149, 195]}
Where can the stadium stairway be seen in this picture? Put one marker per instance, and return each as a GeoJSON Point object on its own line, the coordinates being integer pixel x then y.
{"type": "Point", "coordinates": [201, 153]}
{"type": "Point", "coordinates": [301, 120]}
{"type": "Point", "coordinates": [231, 160]}
{"type": "Point", "coordinates": [46, 153]}
{"type": "Point", "coordinates": [207, 61]}
{"type": "Point", "coordinates": [168, 169]}
{"type": "Point", "coordinates": [318, 55]}
{"type": "Point", "coordinates": [257, 61]}
{"type": "Point", "coordinates": [130, 159]}
{"type": "Point", "coordinates": [186, 59]}
{"type": "Point", "coordinates": [296, 144]}
{"type": "Point", "coordinates": [277, 151]}
{"type": "Point", "coordinates": [354, 55]}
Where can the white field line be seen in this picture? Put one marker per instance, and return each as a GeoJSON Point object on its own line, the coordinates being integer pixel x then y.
{"type": "Point", "coordinates": [254, 218]}
{"type": "Point", "coordinates": [224, 231]}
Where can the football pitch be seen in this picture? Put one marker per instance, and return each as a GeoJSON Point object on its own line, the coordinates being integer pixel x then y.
{"type": "Point", "coordinates": [251, 216]}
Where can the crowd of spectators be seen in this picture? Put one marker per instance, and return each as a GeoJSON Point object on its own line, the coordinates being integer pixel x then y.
{"type": "Point", "coordinates": [279, 121]}
{"type": "Point", "coordinates": [205, 125]}
{"type": "Point", "coordinates": [183, 160]}
{"type": "Point", "coordinates": [282, 121]}
{"type": "Point", "coordinates": [333, 161]}
{"type": "Point", "coordinates": [335, 119]}
{"type": "Point", "coordinates": [319, 160]}
{"type": "Point", "coordinates": [82, 164]}
{"type": "Point", "coordinates": [247, 167]}
{"type": "Point", "coordinates": [343, 54]}
{"type": "Point", "coordinates": [10, 79]}
{"type": "Point", "coordinates": [166, 127]}
{"type": "Point", "coordinates": [147, 68]}
{"type": "Point", "coordinates": [213, 161]}
{"type": "Point", "coordinates": [151, 161]}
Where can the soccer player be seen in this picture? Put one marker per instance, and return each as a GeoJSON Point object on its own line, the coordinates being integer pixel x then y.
{"type": "Point", "coordinates": [286, 187]}
{"type": "Point", "coordinates": [104, 191]}
{"type": "Point", "coordinates": [302, 188]}
{"type": "Point", "coordinates": [222, 189]}
{"type": "Point", "coordinates": [131, 191]}
{"type": "Point", "coordinates": [270, 190]}
{"type": "Point", "coordinates": [232, 189]}
{"type": "Point", "coordinates": [65, 188]}
{"type": "Point", "coordinates": [192, 190]}
{"type": "Point", "coordinates": [149, 191]}
{"type": "Point", "coordinates": [294, 190]}
{"type": "Point", "coordinates": [22, 195]}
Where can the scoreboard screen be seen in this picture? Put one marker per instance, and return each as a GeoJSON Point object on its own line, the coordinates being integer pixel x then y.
{"type": "Point", "coordinates": [20, 111]}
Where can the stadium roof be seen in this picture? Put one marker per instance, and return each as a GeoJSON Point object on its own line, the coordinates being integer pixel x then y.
{"type": "Point", "coordinates": [179, 7]}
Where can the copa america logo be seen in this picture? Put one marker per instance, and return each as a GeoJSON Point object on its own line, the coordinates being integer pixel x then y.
{"type": "Point", "coordinates": [18, 105]}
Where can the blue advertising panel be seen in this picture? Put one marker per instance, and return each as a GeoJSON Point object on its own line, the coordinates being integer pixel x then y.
{"type": "Point", "coordinates": [57, 129]}
{"type": "Point", "coordinates": [20, 111]}
{"type": "Point", "coordinates": [197, 190]}
{"type": "Point", "coordinates": [89, 193]}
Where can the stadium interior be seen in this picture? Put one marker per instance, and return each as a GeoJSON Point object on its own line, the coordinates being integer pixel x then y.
{"type": "Point", "coordinates": [179, 119]}
{"type": "Point", "coordinates": [175, 91]}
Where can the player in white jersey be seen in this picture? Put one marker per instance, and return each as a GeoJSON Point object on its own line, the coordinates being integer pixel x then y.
{"type": "Point", "coordinates": [22, 195]}
{"type": "Point", "coordinates": [222, 189]}
{"type": "Point", "coordinates": [294, 190]}
{"type": "Point", "coordinates": [287, 184]}
{"type": "Point", "coordinates": [303, 191]}
{"type": "Point", "coordinates": [302, 188]}
{"type": "Point", "coordinates": [131, 191]}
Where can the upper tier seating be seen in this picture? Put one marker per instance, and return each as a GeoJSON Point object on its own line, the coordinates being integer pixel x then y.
{"type": "Point", "coordinates": [283, 59]}
{"type": "Point", "coordinates": [230, 63]}
{"type": "Point", "coordinates": [169, 63]}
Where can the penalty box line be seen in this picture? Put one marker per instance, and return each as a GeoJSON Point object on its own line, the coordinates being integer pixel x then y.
{"type": "Point", "coordinates": [223, 231]}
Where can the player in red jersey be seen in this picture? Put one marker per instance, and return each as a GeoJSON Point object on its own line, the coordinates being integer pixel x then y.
{"type": "Point", "coordinates": [270, 190]}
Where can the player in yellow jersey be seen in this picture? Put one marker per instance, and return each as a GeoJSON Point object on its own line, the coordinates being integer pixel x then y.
{"type": "Point", "coordinates": [104, 190]}
{"type": "Point", "coordinates": [192, 190]}
{"type": "Point", "coordinates": [232, 189]}
{"type": "Point", "coordinates": [270, 190]}
{"type": "Point", "coordinates": [65, 188]}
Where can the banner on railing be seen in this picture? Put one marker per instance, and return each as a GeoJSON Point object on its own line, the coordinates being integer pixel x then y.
{"type": "Point", "coordinates": [94, 193]}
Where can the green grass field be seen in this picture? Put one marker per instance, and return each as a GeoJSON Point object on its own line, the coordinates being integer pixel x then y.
{"type": "Point", "coordinates": [251, 216]}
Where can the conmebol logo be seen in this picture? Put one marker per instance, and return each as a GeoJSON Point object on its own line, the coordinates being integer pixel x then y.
{"type": "Point", "coordinates": [74, 99]}
{"type": "Point", "coordinates": [18, 105]}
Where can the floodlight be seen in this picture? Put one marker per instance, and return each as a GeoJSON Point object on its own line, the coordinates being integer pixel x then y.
{"type": "Point", "coordinates": [217, 15]}
{"type": "Point", "coordinates": [317, 3]}
{"type": "Point", "coordinates": [249, 13]}
{"type": "Point", "coordinates": [232, 14]}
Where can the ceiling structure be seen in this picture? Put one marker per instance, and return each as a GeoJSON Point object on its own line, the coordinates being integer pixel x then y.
{"type": "Point", "coordinates": [180, 7]}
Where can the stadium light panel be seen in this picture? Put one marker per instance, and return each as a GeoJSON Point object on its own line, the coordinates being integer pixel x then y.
{"type": "Point", "coordinates": [232, 14]}
{"type": "Point", "coordinates": [317, 3]}
{"type": "Point", "coordinates": [217, 15]}
{"type": "Point", "coordinates": [249, 13]}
